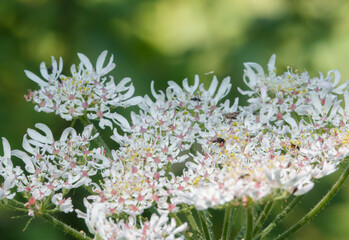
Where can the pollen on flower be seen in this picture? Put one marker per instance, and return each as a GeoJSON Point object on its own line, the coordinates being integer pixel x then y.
{"type": "Point", "coordinates": [196, 181]}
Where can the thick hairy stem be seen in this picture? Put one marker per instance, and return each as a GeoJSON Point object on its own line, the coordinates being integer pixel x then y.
{"type": "Point", "coordinates": [249, 223]}
{"type": "Point", "coordinates": [279, 218]}
{"type": "Point", "coordinates": [318, 206]}
{"type": "Point", "coordinates": [206, 224]}
{"type": "Point", "coordinates": [191, 222]}
{"type": "Point", "coordinates": [227, 224]}
{"type": "Point", "coordinates": [262, 217]}
{"type": "Point", "coordinates": [64, 227]}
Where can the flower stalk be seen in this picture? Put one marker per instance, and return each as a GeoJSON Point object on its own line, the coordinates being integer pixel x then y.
{"type": "Point", "coordinates": [206, 224]}
{"type": "Point", "coordinates": [64, 227]}
{"type": "Point", "coordinates": [279, 218]}
{"type": "Point", "coordinates": [318, 207]}
{"type": "Point", "coordinates": [262, 217]}
{"type": "Point", "coordinates": [249, 223]}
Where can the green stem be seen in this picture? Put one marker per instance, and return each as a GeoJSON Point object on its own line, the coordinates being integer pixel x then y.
{"type": "Point", "coordinates": [279, 217]}
{"type": "Point", "coordinates": [178, 221]}
{"type": "Point", "coordinates": [85, 121]}
{"type": "Point", "coordinates": [231, 214]}
{"type": "Point", "coordinates": [249, 223]}
{"type": "Point", "coordinates": [15, 208]}
{"type": "Point", "coordinates": [14, 201]}
{"type": "Point", "coordinates": [73, 122]}
{"type": "Point", "coordinates": [206, 224]}
{"type": "Point", "coordinates": [191, 222]}
{"type": "Point", "coordinates": [201, 227]}
{"type": "Point", "coordinates": [64, 227]}
{"type": "Point", "coordinates": [318, 206]}
{"type": "Point", "coordinates": [14, 205]}
{"type": "Point", "coordinates": [226, 224]}
{"type": "Point", "coordinates": [262, 217]}
{"type": "Point", "coordinates": [185, 209]}
{"type": "Point", "coordinates": [234, 234]}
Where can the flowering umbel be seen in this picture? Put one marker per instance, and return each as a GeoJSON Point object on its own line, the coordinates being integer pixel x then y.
{"type": "Point", "coordinates": [88, 91]}
{"type": "Point", "coordinates": [185, 148]}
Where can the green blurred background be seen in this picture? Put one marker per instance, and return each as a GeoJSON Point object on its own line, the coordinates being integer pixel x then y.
{"type": "Point", "coordinates": [165, 40]}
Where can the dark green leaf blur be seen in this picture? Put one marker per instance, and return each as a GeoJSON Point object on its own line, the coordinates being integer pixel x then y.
{"type": "Point", "coordinates": [165, 40]}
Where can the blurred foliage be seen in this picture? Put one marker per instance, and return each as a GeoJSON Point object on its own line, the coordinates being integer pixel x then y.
{"type": "Point", "coordinates": [165, 40]}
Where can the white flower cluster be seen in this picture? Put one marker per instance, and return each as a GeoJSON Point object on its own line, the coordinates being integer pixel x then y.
{"type": "Point", "coordinates": [51, 167]}
{"type": "Point", "coordinates": [238, 154]}
{"type": "Point", "coordinates": [184, 146]}
{"type": "Point", "coordinates": [141, 174]}
{"type": "Point", "coordinates": [87, 92]}
{"type": "Point", "coordinates": [293, 130]}
{"type": "Point", "coordinates": [157, 227]}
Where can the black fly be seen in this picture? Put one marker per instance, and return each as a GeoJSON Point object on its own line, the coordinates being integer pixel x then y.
{"type": "Point", "coordinates": [197, 99]}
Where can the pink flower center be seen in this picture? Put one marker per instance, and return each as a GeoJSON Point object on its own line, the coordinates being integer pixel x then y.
{"type": "Point", "coordinates": [99, 114]}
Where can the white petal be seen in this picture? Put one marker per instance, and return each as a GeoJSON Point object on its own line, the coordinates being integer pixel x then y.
{"type": "Point", "coordinates": [337, 76]}
{"type": "Point", "coordinates": [129, 92]}
{"type": "Point", "coordinates": [153, 92]}
{"type": "Point", "coordinates": [304, 189]}
{"type": "Point", "coordinates": [6, 147]}
{"type": "Point", "coordinates": [87, 131]}
{"type": "Point", "coordinates": [251, 65]}
{"type": "Point", "coordinates": [316, 101]}
{"type": "Point", "coordinates": [328, 103]}
{"type": "Point", "coordinates": [35, 78]}
{"type": "Point", "coordinates": [54, 64]}
{"type": "Point", "coordinates": [120, 120]}
{"type": "Point", "coordinates": [36, 136]}
{"type": "Point", "coordinates": [290, 121]}
{"type": "Point", "coordinates": [85, 61]}
{"type": "Point", "coordinates": [110, 66]}
{"type": "Point", "coordinates": [132, 101]}
{"type": "Point", "coordinates": [346, 100]}
{"type": "Point", "coordinates": [10, 181]}
{"type": "Point", "coordinates": [73, 69]}
{"type": "Point", "coordinates": [223, 90]}
{"type": "Point", "coordinates": [60, 65]}
{"type": "Point", "coordinates": [29, 166]}
{"type": "Point", "coordinates": [213, 86]}
{"type": "Point", "coordinates": [47, 131]}
{"type": "Point", "coordinates": [104, 164]}
{"type": "Point", "coordinates": [43, 70]}
{"type": "Point", "coordinates": [248, 93]}
{"type": "Point", "coordinates": [175, 87]}
{"type": "Point", "coordinates": [271, 64]}
{"type": "Point", "coordinates": [66, 133]}
{"type": "Point", "coordinates": [122, 84]}
{"type": "Point", "coordinates": [26, 145]}
{"type": "Point", "coordinates": [100, 61]}
{"type": "Point", "coordinates": [105, 122]}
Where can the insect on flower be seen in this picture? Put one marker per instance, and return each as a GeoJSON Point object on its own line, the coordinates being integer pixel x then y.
{"type": "Point", "coordinates": [48, 69]}
{"type": "Point", "coordinates": [295, 146]}
{"type": "Point", "coordinates": [232, 115]}
{"type": "Point", "coordinates": [220, 141]}
{"type": "Point", "coordinates": [244, 175]}
{"type": "Point", "coordinates": [197, 99]}
{"type": "Point", "coordinates": [294, 190]}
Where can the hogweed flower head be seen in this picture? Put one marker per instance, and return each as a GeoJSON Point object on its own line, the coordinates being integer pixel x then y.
{"type": "Point", "coordinates": [88, 91]}
{"type": "Point", "coordinates": [185, 147]}
{"type": "Point", "coordinates": [51, 167]}
{"type": "Point", "coordinates": [98, 222]}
